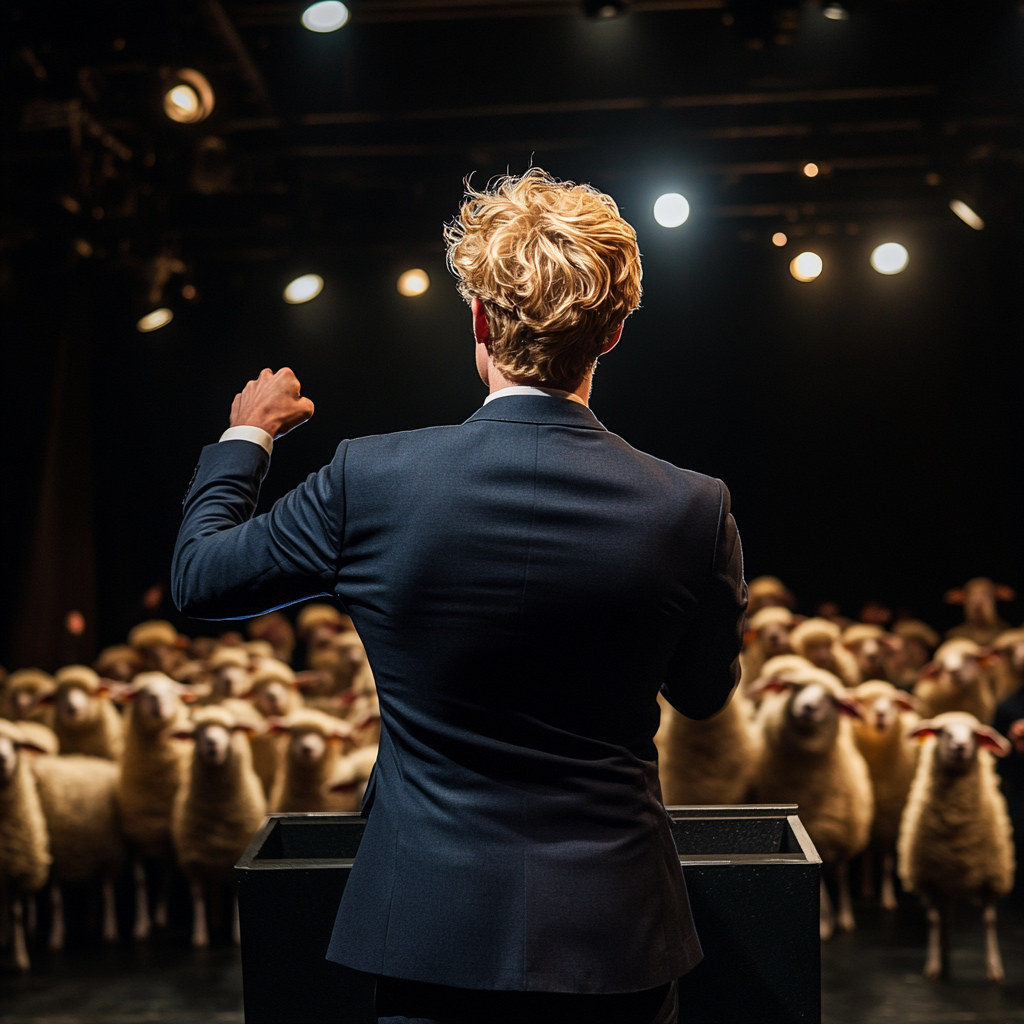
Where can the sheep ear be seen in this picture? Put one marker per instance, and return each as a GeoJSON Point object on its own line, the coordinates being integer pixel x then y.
{"type": "Point", "coordinates": [894, 643]}
{"type": "Point", "coordinates": [749, 637]}
{"type": "Point", "coordinates": [773, 684]}
{"type": "Point", "coordinates": [923, 730]}
{"type": "Point", "coordinates": [988, 738]}
{"type": "Point", "coordinates": [188, 696]}
{"type": "Point", "coordinates": [183, 734]}
{"type": "Point", "coordinates": [49, 698]}
{"type": "Point", "coordinates": [1004, 593]}
{"type": "Point", "coordinates": [955, 596]}
{"type": "Point", "coordinates": [929, 670]}
{"type": "Point", "coordinates": [247, 729]}
{"type": "Point", "coordinates": [906, 701]}
{"type": "Point", "coordinates": [275, 726]}
{"type": "Point", "coordinates": [848, 706]}
{"type": "Point", "coordinates": [32, 748]}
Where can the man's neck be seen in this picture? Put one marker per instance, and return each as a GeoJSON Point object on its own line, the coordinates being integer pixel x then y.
{"type": "Point", "coordinates": [497, 381]}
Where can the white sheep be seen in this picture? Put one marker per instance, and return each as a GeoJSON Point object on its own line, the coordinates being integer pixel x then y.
{"type": "Point", "coordinates": [217, 811]}
{"type": "Point", "coordinates": [310, 761]}
{"type": "Point", "coordinates": [273, 695]}
{"type": "Point", "coordinates": [881, 735]}
{"type": "Point", "coordinates": [26, 696]}
{"type": "Point", "coordinates": [766, 636]}
{"type": "Point", "coordinates": [153, 768]}
{"type": "Point", "coordinates": [982, 623]}
{"type": "Point", "coordinates": [869, 645]}
{"type": "Point", "coordinates": [1005, 662]}
{"type": "Point", "coordinates": [955, 839]}
{"type": "Point", "coordinates": [956, 680]}
{"type": "Point", "coordinates": [85, 719]}
{"type": "Point", "coordinates": [818, 640]}
{"type": "Point", "coordinates": [24, 839]}
{"type": "Point", "coordinates": [809, 758]}
{"type": "Point", "coordinates": [707, 762]}
{"type": "Point", "coordinates": [78, 794]}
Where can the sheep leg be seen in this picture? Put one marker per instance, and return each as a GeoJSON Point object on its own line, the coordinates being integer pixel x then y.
{"type": "Point", "coordinates": [846, 919]}
{"type": "Point", "coordinates": [827, 915]}
{"type": "Point", "coordinates": [109, 911]}
{"type": "Point", "coordinates": [21, 960]}
{"type": "Point", "coordinates": [936, 964]}
{"type": "Point", "coordinates": [993, 958]}
{"type": "Point", "coordinates": [867, 873]}
{"type": "Point", "coordinates": [236, 925]}
{"type": "Point", "coordinates": [57, 921]}
{"type": "Point", "coordinates": [888, 881]}
{"type": "Point", "coordinates": [200, 936]}
{"type": "Point", "coordinates": [163, 898]}
{"type": "Point", "coordinates": [142, 922]}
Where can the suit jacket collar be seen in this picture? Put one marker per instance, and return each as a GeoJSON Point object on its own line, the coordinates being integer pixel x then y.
{"type": "Point", "coordinates": [538, 409]}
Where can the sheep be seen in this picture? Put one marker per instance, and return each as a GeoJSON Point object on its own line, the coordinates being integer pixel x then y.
{"type": "Point", "coordinates": [310, 761]}
{"type": "Point", "coordinates": [351, 774]}
{"type": "Point", "coordinates": [709, 762]}
{"type": "Point", "coordinates": [26, 696]}
{"type": "Point", "coordinates": [231, 674]}
{"type": "Point", "coordinates": [340, 661]}
{"type": "Point", "coordinates": [903, 662]}
{"type": "Point", "coordinates": [982, 623]}
{"type": "Point", "coordinates": [273, 695]}
{"type": "Point", "coordinates": [1005, 662]}
{"type": "Point", "coordinates": [956, 681]}
{"type": "Point", "coordinates": [152, 770]}
{"type": "Point", "coordinates": [85, 719]}
{"type": "Point", "coordinates": [809, 758]}
{"type": "Point", "coordinates": [818, 641]}
{"type": "Point", "coordinates": [317, 624]}
{"type": "Point", "coordinates": [955, 839]}
{"type": "Point", "coordinates": [766, 591]}
{"type": "Point", "coordinates": [788, 666]}
{"type": "Point", "coordinates": [24, 840]}
{"type": "Point", "coordinates": [78, 794]}
{"type": "Point", "coordinates": [767, 636]}
{"type": "Point", "coordinates": [159, 646]}
{"type": "Point", "coordinates": [217, 811]}
{"type": "Point", "coordinates": [881, 737]}
{"type": "Point", "coordinates": [276, 629]}
{"type": "Point", "coordinates": [869, 644]}
{"type": "Point", "coordinates": [119, 663]}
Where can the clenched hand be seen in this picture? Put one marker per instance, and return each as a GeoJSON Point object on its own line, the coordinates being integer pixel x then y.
{"type": "Point", "coordinates": [273, 401]}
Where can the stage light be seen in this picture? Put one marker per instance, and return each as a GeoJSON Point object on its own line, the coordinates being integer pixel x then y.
{"type": "Point", "coordinates": [966, 214]}
{"type": "Point", "coordinates": [304, 288]}
{"type": "Point", "coordinates": [413, 282]}
{"type": "Point", "coordinates": [890, 258]}
{"type": "Point", "coordinates": [779, 239]}
{"type": "Point", "coordinates": [836, 12]}
{"type": "Point", "coordinates": [190, 98]}
{"type": "Point", "coordinates": [327, 16]}
{"type": "Point", "coordinates": [154, 321]}
{"type": "Point", "coordinates": [602, 10]}
{"type": "Point", "coordinates": [811, 170]}
{"type": "Point", "coordinates": [671, 210]}
{"type": "Point", "coordinates": [806, 267]}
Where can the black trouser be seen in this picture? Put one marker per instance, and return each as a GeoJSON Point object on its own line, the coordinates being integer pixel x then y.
{"type": "Point", "coordinates": [416, 1002]}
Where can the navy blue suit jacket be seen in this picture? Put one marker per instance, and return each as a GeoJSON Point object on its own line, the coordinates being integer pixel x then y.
{"type": "Point", "coordinates": [524, 583]}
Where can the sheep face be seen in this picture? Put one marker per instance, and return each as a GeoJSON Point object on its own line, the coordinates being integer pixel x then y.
{"type": "Point", "coordinates": [774, 638]}
{"type": "Point", "coordinates": [819, 653]}
{"type": "Point", "coordinates": [21, 703]}
{"type": "Point", "coordinates": [75, 707]}
{"type": "Point", "coordinates": [958, 738]}
{"type": "Point", "coordinates": [868, 654]}
{"type": "Point", "coordinates": [213, 743]}
{"type": "Point", "coordinates": [962, 666]}
{"type": "Point", "coordinates": [307, 748]}
{"type": "Point", "coordinates": [156, 708]}
{"type": "Point", "coordinates": [980, 602]}
{"type": "Point", "coordinates": [811, 708]}
{"type": "Point", "coordinates": [8, 759]}
{"type": "Point", "coordinates": [271, 699]}
{"type": "Point", "coordinates": [880, 706]}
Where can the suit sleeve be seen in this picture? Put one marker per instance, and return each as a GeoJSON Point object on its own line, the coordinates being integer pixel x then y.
{"type": "Point", "coordinates": [704, 669]}
{"type": "Point", "coordinates": [229, 565]}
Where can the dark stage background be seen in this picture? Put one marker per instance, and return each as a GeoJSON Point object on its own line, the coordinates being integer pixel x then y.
{"type": "Point", "coordinates": [869, 427]}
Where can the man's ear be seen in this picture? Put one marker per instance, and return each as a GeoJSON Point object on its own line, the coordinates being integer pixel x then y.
{"type": "Point", "coordinates": [481, 328]}
{"type": "Point", "coordinates": [613, 340]}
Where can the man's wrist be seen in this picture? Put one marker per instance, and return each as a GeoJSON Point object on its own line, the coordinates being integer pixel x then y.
{"type": "Point", "coordinates": [249, 432]}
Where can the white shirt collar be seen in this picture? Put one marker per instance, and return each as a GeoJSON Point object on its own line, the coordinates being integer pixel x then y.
{"type": "Point", "coordinates": [525, 389]}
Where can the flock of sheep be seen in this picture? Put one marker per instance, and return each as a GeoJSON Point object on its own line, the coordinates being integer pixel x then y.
{"type": "Point", "coordinates": [172, 750]}
{"type": "Point", "coordinates": [884, 740]}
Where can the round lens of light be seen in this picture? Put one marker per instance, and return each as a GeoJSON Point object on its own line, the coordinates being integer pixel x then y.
{"type": "Point", "coordinates": [811, 170]}
{"type": "Point", "coordinates": [779, 239]}
{"type": "Point", "coordinates": [154, 321]}
{"type": "Point", "coordinates": [890, 258]}
{"type": "Point", "coordinates": [181, 103]}
{"type": "Point", "coordinates": [671, 210]}
{"type": "Point", "coordinates": [806, 267]}
{"type": "Point", "coordinates": [327, 16]}
{"type": "Point", "coordinates": [304, 288]}
{"type": "Point", "coordinates": [413, 282]}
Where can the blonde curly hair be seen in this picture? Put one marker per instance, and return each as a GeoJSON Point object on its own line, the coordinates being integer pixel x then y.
{"type": "Point", "coordinates": [556, 268]}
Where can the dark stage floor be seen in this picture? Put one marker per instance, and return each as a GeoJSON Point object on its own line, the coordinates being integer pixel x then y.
{"type": "Point", "coordinates": [869, 977]}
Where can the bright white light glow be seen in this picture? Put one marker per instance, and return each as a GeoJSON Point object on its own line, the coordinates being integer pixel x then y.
{"type": "Point", "coordinates": [811, 170]}
{"type": "Point", "coordinates": [413, 282]}
{"type": "Point", "coordinates": [966, 214]}
{"type": "Point", "coordinates": [155, 320]}
{"type": "Point", "coordinates": [836, 12]}
{"type": "Point", "coordinates": [806, 267]}
{"type": "Point", "coordinates": [190, 99]}
{"type": "Point", "coordinates": [181, 103]}
{"type": "Point", "coordinates": [779, 239]}
{"type": "Point", "coordinates": [671, 210]}
{"type": "Point", "coordinates": [327, 16]}
{"type": "Point", "coordinates": [890, 258]}
{"type": "Point", "coordinates": [304, 288]}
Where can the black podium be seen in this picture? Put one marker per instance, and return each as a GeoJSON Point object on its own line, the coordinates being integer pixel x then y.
{"type": "Point", "coordinates": [751, 870]}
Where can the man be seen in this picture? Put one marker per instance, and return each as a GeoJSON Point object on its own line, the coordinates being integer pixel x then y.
{"type": "Point", "coordinates": [523, 582]}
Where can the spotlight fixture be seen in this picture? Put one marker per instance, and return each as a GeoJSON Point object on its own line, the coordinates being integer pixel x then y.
{"type": "Point", "coordinates": [671, 210]}
{"type": "Point", "coordinates": [304, 288]}
{"type": "Point", "coordinates": [811, 170]}
{"type": "Point", "coordinates": [189, 98]}
{"type": "Point", "coordinates": [966, 214]}
{"type": "Point", "coordinates": [327, 16]}
{"type": "Point", "coordinates": [836, 12]}
{"type": "Point", "coordinates": [604, 10]}
{"type": "Point", "coordinates": [413, 282]}
{"type": "Point", "coordinates": [154, 321]}
{"type": "Point", "coordinates": [890, 258]}
{"type": "Point", "coordinates": [806, 267]}
{"type": "Point", "coordinates": [779, 239]}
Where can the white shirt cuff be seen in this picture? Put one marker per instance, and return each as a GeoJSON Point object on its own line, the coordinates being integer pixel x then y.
{"type": "Point", "coordinates": [255, 434]}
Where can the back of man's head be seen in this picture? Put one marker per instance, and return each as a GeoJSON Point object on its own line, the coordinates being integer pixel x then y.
{"type": "Point", "coordinates": [556, 267]}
